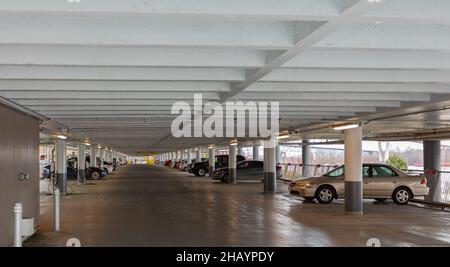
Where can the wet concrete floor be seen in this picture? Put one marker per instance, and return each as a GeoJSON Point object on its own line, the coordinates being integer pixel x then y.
{"type": "Point", "coordinates": [144, 205]}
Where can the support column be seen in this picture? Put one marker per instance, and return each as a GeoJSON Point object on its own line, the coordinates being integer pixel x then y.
{"type": "Point", "coordinates": [270, 165]}
{"type": "Point", "coordinates": [240, 151]}
{"type": "Point", "coordinates": [93, 155]}
{"type": "Point", "coordinates": [278, 154]}
{"type": "Point", "coordinates": [306, 158]}
{"type": "Point", "coordinates": [198, 154]}
{"type": "Point", "coordinates": [81, 173]}
{"type": "Point", "coordinates": [212, 161]}
{"type": "Point", "coordinates": [232, 163]}
{"type": "Point", "coordinates": [61, 165]}
{"type": "Point", "coordinates": [431, 166]}
{"type": "Point", "coordinates": [353, 171]}
{"type": "Point", "coordinates": [255, 152]}
{"type": "Point", "coordinates": [189, 156]}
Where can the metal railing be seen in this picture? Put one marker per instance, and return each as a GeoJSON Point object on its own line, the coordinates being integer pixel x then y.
{"type": "Point", "coordinates": [439, 184]}
{"type": "Point", "coordinates": [294, 171]}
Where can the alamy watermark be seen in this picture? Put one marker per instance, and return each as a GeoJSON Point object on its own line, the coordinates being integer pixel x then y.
{"type": "Point", "coordinates": [231, 119]}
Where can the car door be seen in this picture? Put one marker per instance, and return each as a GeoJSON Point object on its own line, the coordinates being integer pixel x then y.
{"type": "Point", "coordinates": [367, 181]}
{"type": "Point", "coordinates": [243, 171]}
{"type": "Point", "coordinates": [384, 181]}
{"type": "Point", "coordinates": [254, 170]}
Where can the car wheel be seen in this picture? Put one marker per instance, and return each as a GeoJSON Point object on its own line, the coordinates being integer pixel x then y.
{"type": "Point", "coordinates": [402, 196]}
{"type": "Point", "coordinates": [325, 194]}
{"type": "Point", "coordinates": [201, 172]}
{"type": "Point", "coordinates": [95, 175]}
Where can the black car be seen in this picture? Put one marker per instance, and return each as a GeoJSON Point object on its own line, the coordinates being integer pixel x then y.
{"type": "Point", "coordinates": [246, 170]}
{"type": "Point", "coordinates": [93, 173]}
{"type": "Point", "coordinates": [202, 168]}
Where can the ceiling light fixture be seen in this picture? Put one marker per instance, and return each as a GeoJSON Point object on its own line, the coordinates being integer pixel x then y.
{"type": "Point", "coordinates": [60, 136]}
{"type": "Point", "coordinates": [342, 127]}
{"type": "Point", "coordinates": [283, 135]}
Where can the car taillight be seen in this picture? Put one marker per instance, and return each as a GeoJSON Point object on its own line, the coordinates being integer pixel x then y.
{"type": "Point", "coordinates": [424, 181]}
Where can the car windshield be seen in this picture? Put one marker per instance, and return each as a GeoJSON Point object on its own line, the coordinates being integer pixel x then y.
{"type": "Point", "coordinates": [338, 172]}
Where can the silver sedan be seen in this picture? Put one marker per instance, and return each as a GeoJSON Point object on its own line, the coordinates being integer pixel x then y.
{"type": "Point", "coordinates": [380, 182]}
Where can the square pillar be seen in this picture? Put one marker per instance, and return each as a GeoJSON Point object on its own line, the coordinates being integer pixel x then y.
{"type": "Point", "coordinates": [353, 171]}
{"type": "Point", "coordinates": [61, 165]}
{"type": "Point", "coordinates": [255, 152]}
{"type": "Point", "coordinates": [212, 160]}
{"type": "Point", "coordinates": [81, 173]}
{"type": "Point", "coordinates": [93, 155]}
{"type": "Point", "coordinates": [232, 163]}
{"type": "Point", "coordinates": [270, 166]}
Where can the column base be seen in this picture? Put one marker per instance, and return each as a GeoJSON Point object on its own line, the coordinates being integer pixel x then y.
{"type": "Point", "coordinates": [232, 175]}
{"type": "Point", "coordinates": [62, 182]}
{"type": "Point", "coordinates": [353, 198]}
{"type": "Point", "coordinates": [81, 176]}
{"type": "Point", "coordinates": [270, 182]}
{"type": "Point", "coordinates": [211, 171]}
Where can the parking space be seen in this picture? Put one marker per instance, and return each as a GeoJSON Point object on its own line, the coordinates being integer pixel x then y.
{"type": "Point", "coordinates": [149, 205]}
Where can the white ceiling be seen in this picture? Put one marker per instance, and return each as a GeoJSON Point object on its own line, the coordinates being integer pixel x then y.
{"type": "Point", "coordinates": [110, 70]}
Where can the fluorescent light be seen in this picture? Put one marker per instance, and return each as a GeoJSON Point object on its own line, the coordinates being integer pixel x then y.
{"type": "Point", "coordinates": [345, 126]}
{"type": "Point", "coordinates": [283, 135]}
{"type": "Point", "coordinates": [234, 142]}
{"type": "Point", "coordinates": [87, 144]}
{"type": "Point", "coordinates": [60, 136]}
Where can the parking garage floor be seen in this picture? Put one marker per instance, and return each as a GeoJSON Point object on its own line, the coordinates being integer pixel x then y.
{"type": "Point", "coordinates": [143, 205]}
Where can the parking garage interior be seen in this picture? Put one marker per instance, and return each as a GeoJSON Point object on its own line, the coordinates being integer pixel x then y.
{"type": "Point", "coordinates": [87, 97]}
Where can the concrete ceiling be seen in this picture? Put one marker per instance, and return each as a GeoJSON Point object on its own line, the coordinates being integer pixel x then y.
{"type": "Point", "coordinates": [110, 71]}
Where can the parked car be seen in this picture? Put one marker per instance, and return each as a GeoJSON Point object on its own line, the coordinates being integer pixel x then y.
{"type": "Point", "coordinates": [202, 168]}
{"type": "Point", "coordinates": [108, 166]}
{"type": "Point", "coordinates": [380, 182]}
{"type": "Point", "coordinates": [246, 170]}
{"type": "Point", "coordinates": [93, 173]}
{"type": "Point", "coordinates": [191, 165]}
{"type": "Point", "coordinates": [167, 162]}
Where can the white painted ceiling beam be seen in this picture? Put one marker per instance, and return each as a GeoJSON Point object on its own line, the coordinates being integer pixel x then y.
{"type": "Point", "coordinates": [250, 9]}
{"type": "Point", "coordinates": [389, 36]}
{"type": "Point", "coordinates": [349, 87]}
{"type": "Point", "coordinates": [282, 114]}
{"type": "Point", "coordinates": [333, 96]}
{"type": "Point", "coordinates": [371, 59]}
{"type": "Point", "coordinates": [169, 107]}
{"type": "Point", "coordinates": [146, 31]}
{"type": "Point", "coordinates": [104, 95]}
{"type": "Point", "coordinates": [269, 96]}
{"type": "Point", "coordinates": [359, 75]}
{"type": "Point", "coordinates": [73, 56]}
{"type": "Point", "coordinates": [85, 87]}
{"type": "Point", "coordinates": [162, 102]}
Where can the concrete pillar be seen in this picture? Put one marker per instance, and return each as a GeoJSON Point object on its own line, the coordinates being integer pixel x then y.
{"type": "Point", "coordinates": [189, 156]}
{"type": "Point", "coordinates": [432, 163]}
{"type": "Point", "coordinates": [306, 159]}
{"type": "Point", "coordinates": [255, 152]}
{"type": "Point", "coordinates": [240, 151]}
{"type": "Point", "coordinates": [198, 155]}
{"type": "Point", "coordinates": [92, 155]}
{"type": "Point", "coordinates": [270, 175]}
{"type": "Point", "coordinates": [353, 171]}
{"type": "Point", "coordinates": [278, 154]}
{"type": "Point", "coordinates": [212, 161]}
{"type": "Point", "coordinates": [61, 165]}
{"type": "Point", "coordinates": [81, 173]}
{"type": "Point", "coordinates": [232, 163]}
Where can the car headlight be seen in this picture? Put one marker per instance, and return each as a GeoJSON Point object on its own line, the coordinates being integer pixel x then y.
{"type": "Point", "coordinates": [306, 185]}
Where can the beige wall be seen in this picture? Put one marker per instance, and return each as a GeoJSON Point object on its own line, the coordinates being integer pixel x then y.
{"type": "Point", "coordinates": [19, 152]}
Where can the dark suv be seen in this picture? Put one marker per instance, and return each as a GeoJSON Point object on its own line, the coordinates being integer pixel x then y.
{"type": "Point", "coordinates": [221, 161]}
